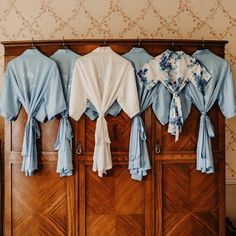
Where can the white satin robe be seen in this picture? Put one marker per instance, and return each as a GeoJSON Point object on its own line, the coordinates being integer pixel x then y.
{"type": "Point", "coordinates": [102, 77]}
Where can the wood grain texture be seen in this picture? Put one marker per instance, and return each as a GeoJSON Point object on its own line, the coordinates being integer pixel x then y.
{"type": "Point", "coordinates": [190, 200]}
{"type": "Point", "coordinates": [39, 208]}
{"type": "Point", "coordinates": [119, 131]}
{"type": "Point", "coordinates": [173, 199]}
{"type": "Point", "coordinates": [115, 203]}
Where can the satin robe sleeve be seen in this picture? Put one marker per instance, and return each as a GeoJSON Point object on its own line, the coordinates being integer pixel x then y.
{"type": "Point", "coordinates": [197, 73]}
{"type": "Point", "coordinates": [54, 98]}
{"type": "Point", "coordinates": [226, 97]}
{"type": "Point", "coordinates": [78, 99]}
{"type": "Point", "coordinates": [10, 103]}
{"type": "Point", "coordinates": [128, 95]}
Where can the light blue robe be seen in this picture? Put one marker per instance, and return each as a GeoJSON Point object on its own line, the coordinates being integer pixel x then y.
{"type": "Point", "coordinates": [65, 59]}
{"type": "Point", "coordinates": [33, 81]}
{"type": "Point", "coordinates": [221, 89]}
{"type": "Point", "coordinates": [139, 161]}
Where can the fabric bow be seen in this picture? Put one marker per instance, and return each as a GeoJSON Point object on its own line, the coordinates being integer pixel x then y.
{"type": "Point", "coordinates": [64, 147]}
{"type": "Point", "coordinates": [29, 150]}
{"type": "Point", "coordinates": [204, 152]}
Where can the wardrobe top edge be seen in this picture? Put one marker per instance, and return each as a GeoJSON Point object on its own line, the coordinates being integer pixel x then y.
{"type": "Point", "coordinates": [112, 41]}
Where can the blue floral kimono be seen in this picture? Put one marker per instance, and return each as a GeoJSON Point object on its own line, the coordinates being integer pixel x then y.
{"type": "Point", "coordinates": [174, 70]}
{"type": "Point", "coordinates": [33, 81]}
{"type": "Point", "coordinates": [138, 153]}
{"type": "Point", "coordinates": [219, 89]}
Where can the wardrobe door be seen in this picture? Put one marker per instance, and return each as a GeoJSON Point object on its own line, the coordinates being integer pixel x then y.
{"type": "Point", "coordinates": [114, 204]}
{"type": "Point", "coordinates": [187, 201]}
{"type": "Point", "coordinates": [42, 204]}
{"type": "Point", "coordinates": [191, 202]}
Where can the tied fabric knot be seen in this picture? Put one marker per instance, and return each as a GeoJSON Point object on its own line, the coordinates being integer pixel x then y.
{"type": "Point", "coordinates": [29, 150]}
{"type": "Point", "coordinates": [102, 155]}
{"type": "Point", "coordinates": [204, 151]}
{"type": "Point", "coordinates": [101, 130]}
{"type": "Point", "coordinates": [176, 94]}
{"type": "Point", "coordinates": [142, 132]}
{"type": "Point", "coordinates": [176, 116]}
{"type": "Point", "coordinates": [64, 147]}
{"type": "Point", "coordinates": [210, 129]}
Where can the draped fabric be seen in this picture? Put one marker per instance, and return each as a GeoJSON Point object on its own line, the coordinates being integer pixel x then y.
{"type": "Point", "coordinates": [103, 77]}
{"type": "Point", "coordinates": [219, 89]}
{"type": "Point", "coordinates": [139, 161]}
{"type": "Point", "coordinates": [175, 70]}
{"type": "Point", "coordinates": [65, 60]}
{"type": "Point", "coordinates": [33, 81]}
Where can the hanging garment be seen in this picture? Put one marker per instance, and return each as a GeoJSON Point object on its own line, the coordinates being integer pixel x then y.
{"type": "Point", "coordinates": [221, 89]}
{"type": "Point", "coordinates": [139, 161]}
{"type": "Point", "coordinates": [102, 77]}
{"type": "Point", "coordinates": [33, 81]}
{"type": "Point", "coordinates": [65, 59]}
{"type": "Point", "coordinates": [174, 70]}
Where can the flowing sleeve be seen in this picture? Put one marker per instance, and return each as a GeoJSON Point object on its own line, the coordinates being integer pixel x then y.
{"type": "Point", "coordinates": [78, 98]}
{"type": "Point", "coordinates": [197, 73]}
{"type": "Point", "coordinates": [226, 97]}
{"type": "Point", "coordinates": [54, 98]}
{"type": "Point", "coordinates": [9, 102]}
{"type": "Point", "coordinates": [128, 95]}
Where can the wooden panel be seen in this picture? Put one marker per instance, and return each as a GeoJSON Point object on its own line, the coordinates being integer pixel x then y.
{"type": "Point", "coordinates": [190, 201]}
{"type": "Point", "coordinates": [154, 46]}
{"type": "Point", "coordinates": [188, 139]}
{"type": "Point", "coordinates": [39, 203]}
{"type": "Point", "coordinates": [119, 132]}
{"type": "Point", "coordinates": [114, 204]}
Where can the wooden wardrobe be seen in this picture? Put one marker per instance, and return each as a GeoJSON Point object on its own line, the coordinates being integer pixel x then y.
{"type": "Point", "coordinates": [174, 199]}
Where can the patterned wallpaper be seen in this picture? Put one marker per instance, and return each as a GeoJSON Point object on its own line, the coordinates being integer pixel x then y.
{"type": "Point", "coordinates": [184, 19]}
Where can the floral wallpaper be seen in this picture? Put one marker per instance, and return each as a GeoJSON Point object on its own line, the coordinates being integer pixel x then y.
{"type": "Point", "coordinates": [184, 19]}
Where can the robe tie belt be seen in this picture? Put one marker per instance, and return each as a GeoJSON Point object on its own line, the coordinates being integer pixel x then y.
{"type": "Point", "coordinates": [65, 130]}
{"type": "Point", "coordinates": [176, 116]}
{"type": "Point", "coordinates": [204, 151]}
{"type": "Point", "coordinates": [139, 161]}
{"type": "Point", "coordinates": [210, 129]}
{"type": "Point", "coordinates": [138, 136]}
{"type": "Point", "coordinates": [64, 147]}
{"type": "Point", "coordinates": [142, 132]}
{"type": "Point", "coordinates": [29, 150]}
{"type": "Point", "coordinates": [101, 130]}
{"type": "Point", "coordinates": [102, 155]}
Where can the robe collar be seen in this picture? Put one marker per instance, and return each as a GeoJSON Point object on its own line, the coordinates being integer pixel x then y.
{"type": "Point", "coordinates": [201, 51]}
{"type": "Point", "coordinates": [32, 51]}
{"type": "Point", "coordinates": [103, 49]}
